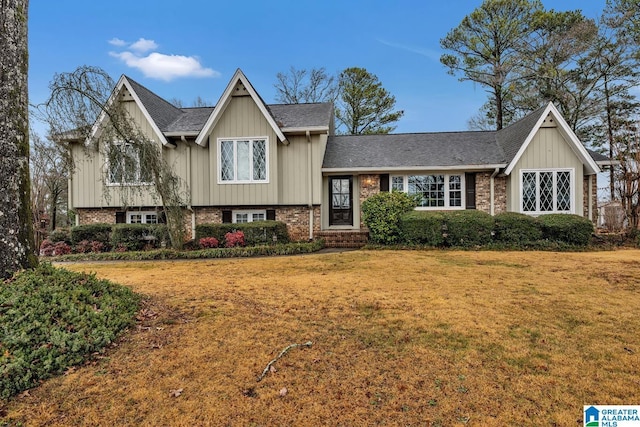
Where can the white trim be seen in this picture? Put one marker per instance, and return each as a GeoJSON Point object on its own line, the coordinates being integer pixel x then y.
{"type": "Point", "coordinates": [303, 129]}
{"type": "Point", "coordinates": [223, 103]}
{"type": "Point", "coordinates": [566, 132]}
{"type": "Point", "coordinates": [249, 213]}
{"type": "Point", "coordinates": [572, 190]}
{"type": "Point", "coordinates": [383, 169]}
{"type": "Point", "coordinates": [143, 217]}
{"type": "Point", "coordinates": [447, 190]}
{"type": "Point", "coordinates": [114, 95]}
{"type": "Point", "coordinates": [235, 171]}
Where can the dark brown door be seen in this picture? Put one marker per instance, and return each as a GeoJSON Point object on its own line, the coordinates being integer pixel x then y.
{"type": "Point", "coordinates": [341, 200]}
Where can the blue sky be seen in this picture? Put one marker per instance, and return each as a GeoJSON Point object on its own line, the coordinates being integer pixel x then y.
{"type": "Point", "coordinates": [192, 48]}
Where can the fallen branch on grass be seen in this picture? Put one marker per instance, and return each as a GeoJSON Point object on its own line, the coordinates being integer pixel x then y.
{"type": "Point", "coordinates": [282, 353]}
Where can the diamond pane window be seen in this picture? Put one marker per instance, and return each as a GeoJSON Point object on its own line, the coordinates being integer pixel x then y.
{"type": "Point", "coordinates": [259, 160]}
{"type": "Point", "coordinates": [546, 191]}
{"type": "Point", "coordinates": [125, 165]}
{"type": "Point", "coordinates": [563, 192]}
{"type": "Point", "coordinates": [243, 161]}
{"type": "Point", "coordinates": [529, 194]}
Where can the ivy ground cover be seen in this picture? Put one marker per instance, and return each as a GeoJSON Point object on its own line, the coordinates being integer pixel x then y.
{"type": "Point", "coordinates": [435, 338]}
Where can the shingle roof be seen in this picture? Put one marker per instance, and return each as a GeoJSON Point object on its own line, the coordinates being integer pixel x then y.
{"type": "Point", "coordinates": [173, 119]}
{"type": "Point", "coordinates": [302, 115]}
{"type": "Point", "coordinates": [513, 136]}
{"type": "Point", "coordinates": [162, 112]}
{"type": "Point", "coordinates": [413, 150]}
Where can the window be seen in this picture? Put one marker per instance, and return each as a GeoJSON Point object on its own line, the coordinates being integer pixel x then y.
{"type": "Point", "coordinates": [249, 216]}
{"type": "Point", "coordinates": [142, 217]}
{"type": "Point", "coordinates": [434, 191]}
{"type": "Point", "coordinates": [124, 162]}
{"type": "Point", "coordinates": [546, 191]}
{"type": "Point", "coordinates": [243, 160]}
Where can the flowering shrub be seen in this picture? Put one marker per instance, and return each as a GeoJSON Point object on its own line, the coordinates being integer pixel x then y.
{"type": "Point", "coordinates": [83, 247]}
{"type": "Point", "coordinates": [61, 248]}
{"type": "Point", "coordinates": [97, 246]}
{"type": "Point", "coordinates": [46, 248]}
{"type": "Point", "coordinates": [120, 247]}
{"type": "Point", "coordinates": [208, 242]}
{"type": "Point", "coordinates": [233, 239]}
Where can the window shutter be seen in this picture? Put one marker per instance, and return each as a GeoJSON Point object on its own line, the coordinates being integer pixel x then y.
{"type": "Point", "coordinates": [271, 214]}
{"type": "Point", "coordinates": [384, 182]}
{"type": "Point", "coordinates": [121, 217]}
{"type": "Point", "coordinates": [470, 190]}
{"type": "Point", "coordinates": [162, 217]}
{"type": "Point", "coordinates": [226, 217]}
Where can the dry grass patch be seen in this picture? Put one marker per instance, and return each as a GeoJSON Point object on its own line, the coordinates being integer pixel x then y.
{"type": "Point", "coordinates": [399, 338]}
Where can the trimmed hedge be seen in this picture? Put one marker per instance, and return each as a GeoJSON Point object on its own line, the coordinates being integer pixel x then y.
{"type": "Point", "coordinates": [517, 229]}
{"type": "Point", "coordinates": [135, 237]}
{"type": "Point", "coordinates": [565, 228]}
{"type": "Point", "coordinates": [91, 233]}
{"type": "Point", "coordinates": [255, 233]}
{"type": "Point", "coordinates": [52, 318]}
{"type": "Point", "coordinates": [468, 228]}
{"type": "Point", "coordinates": [60, 235]}
{"type": "Point", "coordinates": [382, 214]}
{"type": "Point", "coordinates": [423, 228]}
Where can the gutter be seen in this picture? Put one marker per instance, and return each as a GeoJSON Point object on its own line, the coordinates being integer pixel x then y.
{"type": "Point", "coordinates": [383, 169]}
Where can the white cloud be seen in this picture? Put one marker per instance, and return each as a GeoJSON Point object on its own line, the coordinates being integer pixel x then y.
{"type": "Point", "coordinates": [117, 42]}
{"type": "Point", "coordinates": [165, 67]}
{"type": "Point", "coordinates": [143, 45]}
{"type": "Point", "coordinates": [429, 53]}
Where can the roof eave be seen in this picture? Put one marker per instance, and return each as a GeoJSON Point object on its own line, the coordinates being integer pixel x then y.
{"type": "Point", "coordinates": [304, 129]}
{"type": "Point", "coordinates": [382, 169]}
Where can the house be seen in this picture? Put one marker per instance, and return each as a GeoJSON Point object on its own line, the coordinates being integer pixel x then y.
{"type": "Point", "coordinates": [244, 160]}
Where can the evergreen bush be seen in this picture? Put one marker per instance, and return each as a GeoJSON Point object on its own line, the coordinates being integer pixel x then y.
{"type": "Point", "coordinates": [468, 228]}
{"type": "Point", "coordinates": [422, 228]}
{"type": "Point", "coordinates": [517, 229]}
{"type": "Point", "coordinates": [382, 214]}
{"type": "Point", "coordinates": [566, 228]}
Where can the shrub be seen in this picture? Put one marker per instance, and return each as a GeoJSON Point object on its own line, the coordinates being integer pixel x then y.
{"type": "Point", "coordinates": [422, 227]}
{"type": "Point", "coordinates": [46, 248]}
{"type": "Point", "coordinates": [382, 212]}
{"type": "Point", "coordinates": [91, 232]}
{"type": "Point", "coordinates": [208, 242]}
{"type": "Point", "coordinates": [83, 247]}
{"type": "Point", "coordinates": [52, 318]}
{"type": "Point", "coordinates": [60, 235]}
{"type": "Point", "coordinates": [566, 228]}
{"type": "Point", "coordinates": [97, 247]}
{"type": "Point", "coordinates": [233, 239]}
{"type": "Point", "coordinates": [135, 237]}
{"type": "Point", "coordinates": [468, 228]}
{"type": "Point", "coordinates": [517, 229]}
{"type": "Point", "coordinates": [61, 248]}
{"type": "Point", "coordinates": [255, 233]}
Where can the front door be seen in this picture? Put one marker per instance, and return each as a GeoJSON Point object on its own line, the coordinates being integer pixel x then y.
{"type": "Point", "coordinates": [341, 200]}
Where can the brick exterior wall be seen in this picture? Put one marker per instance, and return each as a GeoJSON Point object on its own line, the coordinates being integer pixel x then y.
{"type": "Point", "coordinates": [369, 185]}
{"type": "Point", "coordinates": [483, 193]}
{"type": "Point", "coordinates": [296, 218]}
{"type": "Point", "coordinates": [594, 195]}
{"type": "Point", "coordinates": [96, 216]}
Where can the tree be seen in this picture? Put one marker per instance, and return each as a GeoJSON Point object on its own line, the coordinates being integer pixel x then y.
{"type": "Point", "coordinates": [301, 86]}
{"type": "Point", "coordinates": [364, 106]}
{"type": "Point", "coordinates": [77, 101]}
{"type": "Point", "coordinates": [16, 237]}
{"type": "Point", "coordinates": [485, 47]}
{"type": "Point", "coordinates": [49, 163]}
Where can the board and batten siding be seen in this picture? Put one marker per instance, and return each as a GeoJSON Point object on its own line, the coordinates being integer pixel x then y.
{"type": "Point", "coordinates": [547, 150]}
{"type": "Point", "coordinates": [293, 170]}
{"type": "Point", "coordinates": [241, 119]}
{"type": "Point", "coordinates": [88, 189]}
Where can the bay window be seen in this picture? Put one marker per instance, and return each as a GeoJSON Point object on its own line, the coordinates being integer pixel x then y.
{"type": "Point", "coordinates": [434, 191]}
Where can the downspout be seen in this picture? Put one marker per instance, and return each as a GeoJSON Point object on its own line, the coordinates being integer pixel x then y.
{"type": "Point", "coordinates": [189, 207]}
{"type": "Point", "coordinates": [310, 184]}
{"type": "Point", "coordinates": [590, 197]}
{"type": "Point", "coordinates": [492, 205]}
{"type": "Point", "coordinates": [70, 205]}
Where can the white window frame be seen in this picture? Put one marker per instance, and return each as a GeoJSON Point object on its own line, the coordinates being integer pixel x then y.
{"type": "Point", "coordinates": [136, 180]}
{"type": "Point", "coordinates": [144, 215]}
{"type": "Point", "coordinates": [249, 213]}
{"type": "Point", "coordinates": [235, 141]}
{"type": "Point", "coordinates": [405, 189]}
{"type": "Point", "coordinates": [572, 189]}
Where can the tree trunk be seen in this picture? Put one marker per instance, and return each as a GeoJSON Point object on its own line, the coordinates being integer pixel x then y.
{"type": "Point", "coordinates": [16, 228]}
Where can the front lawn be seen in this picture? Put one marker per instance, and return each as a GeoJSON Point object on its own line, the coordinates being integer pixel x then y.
{"type": "Point", "coordinates": [434, 338]}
